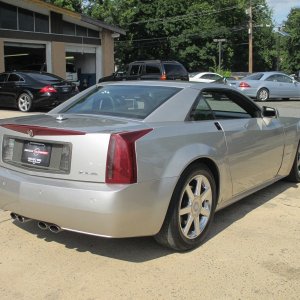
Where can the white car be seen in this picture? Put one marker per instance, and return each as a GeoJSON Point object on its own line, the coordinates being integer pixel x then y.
{"type": "Point", "coordinates": [207, 77]}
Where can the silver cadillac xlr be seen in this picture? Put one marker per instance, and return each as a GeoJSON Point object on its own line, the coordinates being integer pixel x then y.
{"type": "Point", "coordinates": [141, 158]}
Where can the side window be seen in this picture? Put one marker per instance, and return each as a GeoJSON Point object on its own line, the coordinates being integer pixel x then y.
{"type": "Point", "coordinates": [202, 111]}
{"type": "Point", "coordinates": [3, 77]}
{"type": "Point", "coordinates": [13, 78]}
{"type": "Point", "coordinates": [206, 76]}
{"type": "Point", "coordinates": [224, 106]}
{"type": "Point", "coordinates": [135, 70]}
{"type": "Point", "coordinates": [215, 77]}
{"type": "Point", "coordinates": [272, 78]}
{"type": "Point", "coordinates": [152, 69]}
{"type": "Point", "coordinates": [283, 78]}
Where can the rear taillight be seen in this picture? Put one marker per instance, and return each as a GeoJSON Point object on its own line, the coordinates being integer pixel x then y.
{"type": "Point", "coordinates": [163, 76]}
{"type": "Point", "coordinates": [121, 157]}
{"type": "Point", "coordinates": [48, 89]}
{"type": "Point", "coordinates": [244, 85]}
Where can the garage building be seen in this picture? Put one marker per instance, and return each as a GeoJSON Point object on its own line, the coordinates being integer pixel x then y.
{"type": "Point", "coordinates": [37, 35]}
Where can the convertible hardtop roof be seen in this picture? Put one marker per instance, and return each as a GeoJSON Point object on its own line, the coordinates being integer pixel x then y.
{"type": "Point", "coordinates": [171, 83]}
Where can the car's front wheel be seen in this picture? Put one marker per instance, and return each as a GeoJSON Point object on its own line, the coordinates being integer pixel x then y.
{"type": "Point", "coordinates": [262, 94]}
{"type": "Point", "coordinates": [191, 210]}
{"type": "Point", "coordinates": [24, 102]}
{"type": "Point", "coordinates": [295, 171]}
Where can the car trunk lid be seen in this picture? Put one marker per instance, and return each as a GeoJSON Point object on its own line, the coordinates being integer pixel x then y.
{"type": "Point", "coordinates": [63, 147]}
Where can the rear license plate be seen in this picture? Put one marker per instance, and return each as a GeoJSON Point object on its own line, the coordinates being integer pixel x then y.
{"type": "Point", "coordinates": [65, 89]}
{"type": "Point", "coordinates": [36, 154]}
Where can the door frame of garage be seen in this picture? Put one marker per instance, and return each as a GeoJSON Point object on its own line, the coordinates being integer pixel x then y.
{"type": "Point", "coordinates": [98, 54]}
{"type": "Point", "coordinates": [47, 46]}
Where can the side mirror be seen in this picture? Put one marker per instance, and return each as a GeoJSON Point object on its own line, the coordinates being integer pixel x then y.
{"type": "Point", "coordinates": [270, 112]}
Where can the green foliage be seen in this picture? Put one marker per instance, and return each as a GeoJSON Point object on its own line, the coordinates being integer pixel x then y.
{"type": "Point", "coordinates": [185, 30]}
{"type": "Point", "coordinates": [74, 5]}
{"type": "Point", "coordinates": [290, 58]}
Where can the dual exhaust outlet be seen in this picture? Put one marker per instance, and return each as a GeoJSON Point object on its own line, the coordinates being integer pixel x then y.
{"type": "Point", "coordinates": [42, 225]}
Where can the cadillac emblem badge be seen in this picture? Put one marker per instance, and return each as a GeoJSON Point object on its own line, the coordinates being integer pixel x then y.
{"type": "Point", "coordinates": [30, 133]}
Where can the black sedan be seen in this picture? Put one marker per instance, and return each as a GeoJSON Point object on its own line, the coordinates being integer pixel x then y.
{"type": "Point", "coordinates": [29, 89]}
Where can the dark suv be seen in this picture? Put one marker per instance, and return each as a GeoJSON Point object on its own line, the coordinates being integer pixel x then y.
{"type": "Point", "coordinates": [150, 70]}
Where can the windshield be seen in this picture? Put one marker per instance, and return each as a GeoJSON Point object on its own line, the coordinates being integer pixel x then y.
{"type": "Point", "coordinates": [122, 100]}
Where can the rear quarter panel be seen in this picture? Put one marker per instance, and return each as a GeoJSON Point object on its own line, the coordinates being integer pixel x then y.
{"type": "Point", "coordinates": [168, 150]}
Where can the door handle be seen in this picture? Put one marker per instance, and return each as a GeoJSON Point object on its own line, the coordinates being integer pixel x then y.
{"type": "Point", "coordinates": [218, 125]}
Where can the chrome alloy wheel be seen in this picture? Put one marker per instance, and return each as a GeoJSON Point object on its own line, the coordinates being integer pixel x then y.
{"type": "Point", "coordinates": [195, 206]}
{"type": "Point", "coordinates": [24, 102]}
{"type": "Point", "coordinates": [263, 94]}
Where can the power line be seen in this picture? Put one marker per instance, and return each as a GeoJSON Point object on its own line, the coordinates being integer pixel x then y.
{"type": "Point", "coordinates": [179, 17]}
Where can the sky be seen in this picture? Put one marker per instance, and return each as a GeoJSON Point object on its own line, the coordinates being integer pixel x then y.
{"type": "Point", "coordinates": [281, 9]}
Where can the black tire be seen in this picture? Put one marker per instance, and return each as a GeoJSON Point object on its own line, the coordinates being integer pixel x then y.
{"type": "Point", "coordinates": [24, 102]}
{"type": "Point", "coordinates": [179, 231]}
{"type": "Point", "coordinates": [294, 175]}
{"type": "Point", "coordinates": [262, 95]}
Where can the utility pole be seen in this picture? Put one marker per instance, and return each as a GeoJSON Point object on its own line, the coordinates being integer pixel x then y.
{"type": "Point", "coordinates": [250, 34]}
{"type": "Point", "coordinates": [220, 51]}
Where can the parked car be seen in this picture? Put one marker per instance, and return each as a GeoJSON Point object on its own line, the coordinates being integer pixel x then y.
{"type": "Point", "coordinates": [144, 158]}
{"type": "Point", "coordinates": [31, 89]}
{"type": "Point", "coordinates": [205, 77]}
{"type": "Point", "coordinates": [150, 70]}
{"type": "Point", "coordinates": [263, 86]}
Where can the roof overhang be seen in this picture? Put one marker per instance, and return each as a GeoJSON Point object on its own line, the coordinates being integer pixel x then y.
{"type": "Point", "coordinates": [77, 16]}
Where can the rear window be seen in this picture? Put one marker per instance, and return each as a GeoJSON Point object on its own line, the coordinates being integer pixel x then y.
{"type": "Point", "coordinates": [152, 69]}
{"type": "Point", "coordinates": [174, 69]}
{"type": "Point", "coordinates": [45, 77]}
{"type": "Point", "coordinates": [135, 102]}
{"type": "Point", "coordinates": [256, 76]}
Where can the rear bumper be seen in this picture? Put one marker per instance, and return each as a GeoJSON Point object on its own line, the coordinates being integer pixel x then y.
{"type": "Point", "coordinates": [52, 99]}
{"type": "Point", "coordinates": [92, 208]}
{"type": "Point", "coordinates": [250, 92]}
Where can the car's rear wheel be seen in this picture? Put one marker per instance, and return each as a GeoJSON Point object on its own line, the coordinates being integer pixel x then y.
{"type": "Point", "coordinates": [262, 94]}
{"type": "Point", "coordinates": [191, 210]}
{"type": "Point", "coordinates": [24, 102]}
{"type": "Point", "coordinates": [295, 171]}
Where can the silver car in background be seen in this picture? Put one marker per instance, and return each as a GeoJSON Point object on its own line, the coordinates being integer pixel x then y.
{"type": "Point", "coordinates": [141, 158]}
{"type": "Point", "coordinates": [263, 86]}
{"type": "Point", "coordinates": [206, 77]}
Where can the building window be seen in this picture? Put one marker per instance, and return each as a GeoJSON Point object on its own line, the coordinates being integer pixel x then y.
{"type": "Point", "coordinates": [41, 23]}
{"type": "Point", "coordinates": [81, 31]}
{"type": "Point", "coordinates": [26, 21]}
{"type": "Point", "coordinates": [68, 28]}
{"type": "Point", "coordinates": [8, 16]}
{"type": "Point", "coordinates": [93, 33]}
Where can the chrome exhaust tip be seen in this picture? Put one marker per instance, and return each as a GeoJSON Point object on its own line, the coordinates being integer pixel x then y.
{"type": "Point", "coordinates": [13, 216]}
{"type": "Point", "coordinates": [54, 228]}
{"type": "Point", "coordinates": [22, 219]}
{"type": "Point", "coordinates": [43, 225]}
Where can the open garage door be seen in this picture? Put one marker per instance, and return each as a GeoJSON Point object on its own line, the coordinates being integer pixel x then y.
{"type": "Point", "coordinates": [84, 60]}
{"type": "Point", "coordinates": [21, 56]}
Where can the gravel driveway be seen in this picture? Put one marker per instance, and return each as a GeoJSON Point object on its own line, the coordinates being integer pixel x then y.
{"type": "Point", "coordinates": [252, 252]}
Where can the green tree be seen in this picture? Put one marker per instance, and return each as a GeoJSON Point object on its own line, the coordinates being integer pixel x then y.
{"type": "Point", "coordinates": [184, 30]}
{"type": "Point", "coordinates": [74, 5]}
{"type": "Point", "coordinates": [291, 43]}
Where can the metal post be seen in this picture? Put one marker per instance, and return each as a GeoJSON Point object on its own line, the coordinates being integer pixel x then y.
{"type": "Point", "coordinates": [220, 56]}
{"type": "Point", "coordinates": [220, 51]}
{"type": "Point", "coordinates": [250, 33]}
